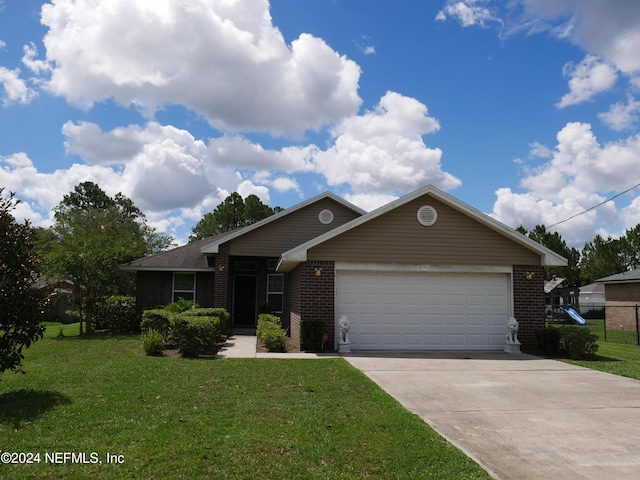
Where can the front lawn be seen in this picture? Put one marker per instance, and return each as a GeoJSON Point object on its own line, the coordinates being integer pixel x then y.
{"type": "Point", "coordinates": [101, 400]}
{"type": "Point", "coordinates": [616, 358]}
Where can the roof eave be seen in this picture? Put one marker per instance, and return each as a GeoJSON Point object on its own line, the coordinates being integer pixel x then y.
{"type": "Point", "coordinates": [290, 260]}
{"type": "Point", "coordinates": [134, 268]}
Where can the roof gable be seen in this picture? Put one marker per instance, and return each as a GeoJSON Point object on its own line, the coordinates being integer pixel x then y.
{"type": "Point", "coordinates": [503, 235]}
{"type": "Point", "coordinates": [269, 227]}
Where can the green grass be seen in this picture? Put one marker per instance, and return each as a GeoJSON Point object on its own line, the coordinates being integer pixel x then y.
{"type": "Point", "coordinates": [57, 329]}
{"type": "Point", "coordinates": [619, 354]}
{"type": "Point", "coordinates": [613, 336]}
{"type": "Point", "coordinates": [616, 358]}
{"type": "Point", "coordinates": [224, 418]}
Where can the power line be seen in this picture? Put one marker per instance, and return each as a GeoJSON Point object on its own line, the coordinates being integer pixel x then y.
{"type": "Point", "coordinates": [595, 206]}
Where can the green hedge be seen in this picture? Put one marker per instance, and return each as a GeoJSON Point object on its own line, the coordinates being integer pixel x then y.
{"type": "Point", "coordinates": [196, 331]}
{"type": "Point", "coordinates": [270, 318]}
{"type": "Point", "coordinates": [311, 332]}
{"type": "Point", "coordinates": [573, 342]}
{"type": "Point", "coordinates": [117, 313]}
{"type": "Point", "coordinates": [270, 333]}
{"type": "Point", "coordinates": [221, 313]}
{"type": "Point", "coordinates": [196, 335]}
{"type": "Point", "coordinates": [159, 320]}
{"type": "Point", "coordinates": [579, 342]}
{"type": "Point", "coordinates": [549, 339]}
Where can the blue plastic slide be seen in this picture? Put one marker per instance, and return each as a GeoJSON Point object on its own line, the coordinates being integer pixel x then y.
{"type": "Point", "coordinates": [573, 314]}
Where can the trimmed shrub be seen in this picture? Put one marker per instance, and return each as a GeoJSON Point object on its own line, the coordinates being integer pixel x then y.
{"type": "Point", "coordinates": [270, 318]}
{"type": "Point", "coordinates": [311, 332]}
{"type": "Point", "coordinates": [223, 315]}
{"type": "Point", "coordinates": [159, 320]}
{"type": "Point", "coordinates": [153, 342]}
{"type": "Point", "coordinates": [181, 305]}
{"type": "Point", "coordinates": [118, 314]}
{"type": "Point", "coordinates": [196, 335]}
{"type": "Point", "coordinates": [271, 334]}
{"type": "Point", "coordinates": [579, 342]}
{"type": "Point", "coordinates": [220, 313]}
{"type": "Point", "coordinates": [549, 339]}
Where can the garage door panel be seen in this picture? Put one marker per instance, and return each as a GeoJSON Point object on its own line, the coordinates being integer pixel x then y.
{"type": "Point", "coordinates": [479, 320]}
{"type": "Point", "coordinates": [455, 341]}
{"type": "Point", "coordinates": [424, 310]}
{"type": "Point", "coordinates": [477, 340]}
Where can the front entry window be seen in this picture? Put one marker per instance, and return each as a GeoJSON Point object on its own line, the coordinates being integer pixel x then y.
{"type": "Point", "coordinates": [275, 290]}
{"type": "Point", "coordinates": [184, 286]}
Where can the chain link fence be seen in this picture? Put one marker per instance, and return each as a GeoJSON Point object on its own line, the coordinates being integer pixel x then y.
{"type": "Point", "coordinates": [616, 323]}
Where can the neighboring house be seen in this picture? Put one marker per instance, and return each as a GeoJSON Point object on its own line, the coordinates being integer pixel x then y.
{"type": "Point", "coordinates": [622, 297]}
{"type": "Point", "coordinates": [426, 271]}
{"type": "Point", "coordinates": [591, 297]}
{"type": "Point", "coordinates": [57, 300]}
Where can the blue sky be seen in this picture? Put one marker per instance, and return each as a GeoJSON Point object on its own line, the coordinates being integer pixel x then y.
{"type": "Point", "coordinates": [527, 110]}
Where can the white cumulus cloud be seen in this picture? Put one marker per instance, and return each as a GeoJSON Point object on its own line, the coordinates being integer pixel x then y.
{"type": "Point", "coordinates": [16, 90]}
{"type": "Point", "coordinates": [581, 174]}
{"type": "Point", "coordinates": [382, 151]}
{"type": "Point", "coordinates": [590, 77]}
{"type": "Point", "coordinates": [468, 13]}
{"type": "Point", "coordinates": [622, 116]}
{"type": "Point", "coordinates": [224, 60]}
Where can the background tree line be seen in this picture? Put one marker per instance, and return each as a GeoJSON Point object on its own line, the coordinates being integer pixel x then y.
{"type": "Point", "coordinates": [599, 258]}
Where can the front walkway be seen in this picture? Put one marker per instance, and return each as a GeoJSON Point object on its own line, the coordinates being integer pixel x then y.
{"type": "Point", "coordinates": [244, 346]}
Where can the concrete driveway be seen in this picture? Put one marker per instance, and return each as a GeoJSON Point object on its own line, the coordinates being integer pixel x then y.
{"type": "Point", "coordinates": [519, 416]}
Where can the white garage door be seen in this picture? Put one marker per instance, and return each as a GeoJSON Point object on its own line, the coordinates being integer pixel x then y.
{"type": "Point", "coordinates": [424, 311]}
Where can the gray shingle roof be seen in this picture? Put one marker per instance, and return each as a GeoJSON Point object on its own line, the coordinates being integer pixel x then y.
{"type": "Point", "coordinates": [187, 258]}
{"type": "Point", "coordinates": [628, 276]}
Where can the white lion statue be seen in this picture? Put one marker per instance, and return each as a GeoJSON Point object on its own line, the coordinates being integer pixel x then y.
{"type": "Point", "coordinates": [512, 330]}
{"type": "Point", "coordinates": [345, 325]}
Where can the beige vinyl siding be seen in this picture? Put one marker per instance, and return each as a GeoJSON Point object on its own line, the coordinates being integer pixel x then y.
{"type": "Point", "coordinates": [294, 229]}
{"type": "Point", "coordinates": [397, 237]}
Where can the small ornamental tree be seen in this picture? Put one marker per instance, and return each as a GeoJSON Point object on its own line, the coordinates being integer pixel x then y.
{"type": "Point", "coordinates": [19, 308]}
{"type": "Point", "coordinates": [94, 235]}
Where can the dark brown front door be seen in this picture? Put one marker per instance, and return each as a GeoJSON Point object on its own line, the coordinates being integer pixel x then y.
{"type": "Point", "coordinates": [244, 301]}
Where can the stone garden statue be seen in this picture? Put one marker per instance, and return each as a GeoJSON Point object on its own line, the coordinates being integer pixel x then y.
{"type": "Point", "coordinates": [512, 331]}
{"type": "Point", "coordinates": [344, 329]}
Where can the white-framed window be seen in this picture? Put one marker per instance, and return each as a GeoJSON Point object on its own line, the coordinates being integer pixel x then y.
{"type": "Point", "coordinates": [275, 291]}
{"type": "Point", "coordinates": [184, 286]}
{"type": "Point", "coordinates": [272, 263]}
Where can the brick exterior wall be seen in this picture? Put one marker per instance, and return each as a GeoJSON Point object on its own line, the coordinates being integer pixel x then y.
{"type": "Point", "coordinates": [293, 299]}
{"type": "Point", "coordinates": [149, 289]}
{"type": "Point", "coordinates": [222, 292]}
{"type": "Point", "coordinates": [205, 291]}
{"type": "Point", "coordinates": [620, 305]}
{"type": "Point", "coordinates": [313, 297]}
{"type": "Point", "coordinates": [528, 303]}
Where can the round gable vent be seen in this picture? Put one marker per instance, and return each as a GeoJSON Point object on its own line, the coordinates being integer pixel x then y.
{"type": "Point", "coordinates": [326, 217]}
{"type": "Point", "coordinates": [427, 215]}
